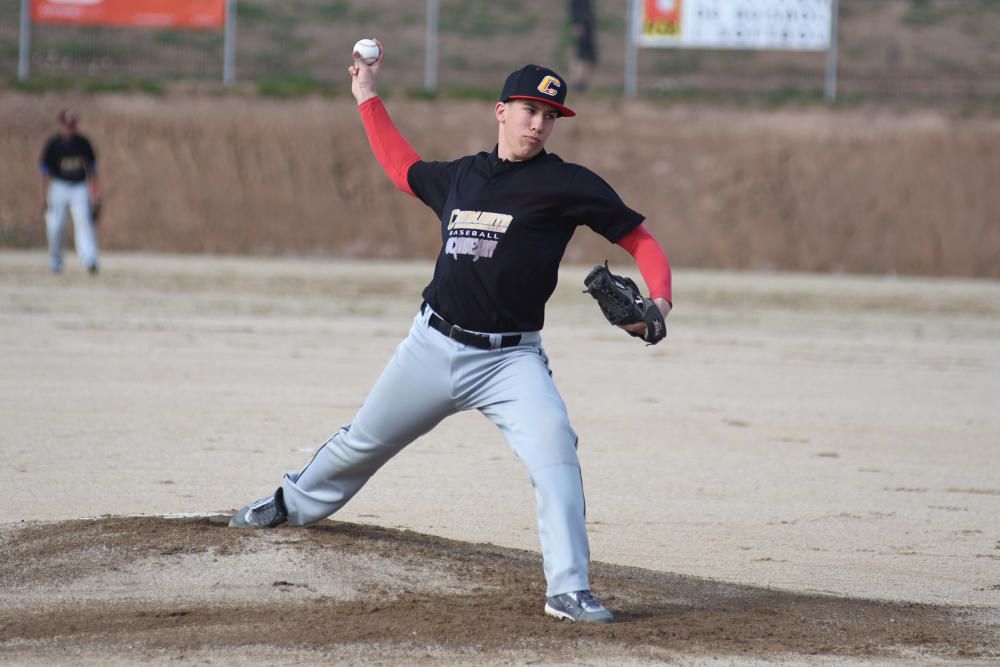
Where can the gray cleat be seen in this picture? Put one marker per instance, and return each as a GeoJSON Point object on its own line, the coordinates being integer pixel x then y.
{"type": "Point", "coordinates": [579, 606]}
{"type": "Point", "coordinates": [264, 513]}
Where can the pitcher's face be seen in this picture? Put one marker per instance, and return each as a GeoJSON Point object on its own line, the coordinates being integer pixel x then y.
{"type": "Point", "coordinates": [525, 126]}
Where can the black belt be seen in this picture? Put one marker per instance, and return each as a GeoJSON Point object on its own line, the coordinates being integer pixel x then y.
{"type": "Point", "coordinates": [464, 337]}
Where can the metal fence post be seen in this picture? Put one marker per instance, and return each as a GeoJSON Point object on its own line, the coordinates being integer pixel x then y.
{"type": "Point", "coordinates": [831, 55]}
{"type": "Point", "coordinates": [24, 45]}
{"type": "Point", "coordinates": [229, 45]}
{"type": "Point", "coordinates": [631, 55]}
{"type": "Point", "coordinates": [431, 49]}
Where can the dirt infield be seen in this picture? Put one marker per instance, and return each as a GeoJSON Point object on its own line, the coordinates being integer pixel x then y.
{"type": "Point", "coordinates": [141, 589]}
{"type": "Point", "coordinates": [803, 472]}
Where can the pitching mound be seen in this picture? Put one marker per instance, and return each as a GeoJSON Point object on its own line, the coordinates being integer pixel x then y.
{"type": "Point", "coordinates": [124, 590]}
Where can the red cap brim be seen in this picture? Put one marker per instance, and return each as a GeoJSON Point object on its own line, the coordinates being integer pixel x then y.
{"type": "Point", "coordinates": [563, 110]}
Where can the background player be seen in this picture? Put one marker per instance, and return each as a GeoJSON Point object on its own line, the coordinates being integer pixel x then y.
{"type": "Point", "coordinates": [583, 27]}
{"type": "Point", "coordinates": [69, 183]}
{"type": "Point", "coordinates": [506, 217]}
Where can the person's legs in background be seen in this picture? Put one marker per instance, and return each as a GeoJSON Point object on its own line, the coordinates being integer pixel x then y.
{"type": "Point", "coordinates": [55, 223]}
{"type": "Point", "coordinates": [83, 227]}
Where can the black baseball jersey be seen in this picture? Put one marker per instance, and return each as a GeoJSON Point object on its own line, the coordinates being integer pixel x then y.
{"type": "Point", "coordinates": [504, 227]}
{"type": "Point", "coordinates": [68, 159]}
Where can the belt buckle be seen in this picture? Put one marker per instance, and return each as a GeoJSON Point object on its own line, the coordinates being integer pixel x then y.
{"type": "Point", "coordinates": [454, 331]}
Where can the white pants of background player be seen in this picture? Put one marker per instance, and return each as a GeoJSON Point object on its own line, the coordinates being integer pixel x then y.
{"type": "Point", "coordinates": [73, 197]}
{"type": "Point", "coordinates": [431, 377]}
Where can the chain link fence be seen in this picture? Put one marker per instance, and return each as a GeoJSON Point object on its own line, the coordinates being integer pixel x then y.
{"type": "Point", "coordinates": [896, 49]}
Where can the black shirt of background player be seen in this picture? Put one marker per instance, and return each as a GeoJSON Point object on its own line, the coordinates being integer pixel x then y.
{"type": "Point", "coordinates": [547, 200]}
{"type": "Point", "coordinates": [581, 14]}
{"type": "Point", "coordinates": [68, 159]}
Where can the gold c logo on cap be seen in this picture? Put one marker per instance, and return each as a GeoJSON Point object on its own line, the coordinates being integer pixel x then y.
{"type": "Point", "coordinates": [549, 86]}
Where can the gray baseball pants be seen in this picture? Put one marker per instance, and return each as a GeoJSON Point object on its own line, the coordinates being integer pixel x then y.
{"type": "Point", "coordinates": [431, 377]}
{"type": "Point", "coordinates": [66, 196]}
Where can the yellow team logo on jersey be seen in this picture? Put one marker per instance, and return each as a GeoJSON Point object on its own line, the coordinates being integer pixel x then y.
{"type": "Point", "coordinates": [550, 86]}
{"type": "Point", "coordinates": [483, 221]}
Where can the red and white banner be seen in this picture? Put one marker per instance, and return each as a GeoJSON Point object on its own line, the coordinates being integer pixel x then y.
{"type": "Point", "coordinates": [733, 24]}
{"type": "Point", "coordinates": [132, 13]}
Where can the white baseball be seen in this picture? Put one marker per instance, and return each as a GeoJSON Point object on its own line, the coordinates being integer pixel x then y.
{"type": "Point", "coordinates": [367, 49]}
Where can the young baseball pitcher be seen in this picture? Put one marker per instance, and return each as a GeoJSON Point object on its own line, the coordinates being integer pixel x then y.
{"type": "Point", "coordinates": [505, 218]}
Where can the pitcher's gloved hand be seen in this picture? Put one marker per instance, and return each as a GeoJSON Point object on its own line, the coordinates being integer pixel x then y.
{"type": "Point", "coordinates": [622, 303]}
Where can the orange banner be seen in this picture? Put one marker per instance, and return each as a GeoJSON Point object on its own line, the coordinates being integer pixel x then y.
{"type": "Point", "coordinates": [133, 13]}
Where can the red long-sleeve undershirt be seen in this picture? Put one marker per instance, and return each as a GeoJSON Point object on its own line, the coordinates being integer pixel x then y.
{"type": "Point", "coordinates": [391, 149]}
{"type": "Point", "coordinates": [396, 156]}
{"type": "Point", "coordinates": [651, 260]}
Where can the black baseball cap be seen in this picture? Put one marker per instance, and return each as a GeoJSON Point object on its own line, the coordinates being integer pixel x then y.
{"type": "Point", "coordinates": [533, 82]}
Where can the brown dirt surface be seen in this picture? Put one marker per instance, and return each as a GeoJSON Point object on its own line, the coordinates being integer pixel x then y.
{"type": "Point", "coordinates": [803, 472]}
{"type": "Point", "coordinates": [188, 587]}
{"type": "Point", "coordinates": [856, 191]}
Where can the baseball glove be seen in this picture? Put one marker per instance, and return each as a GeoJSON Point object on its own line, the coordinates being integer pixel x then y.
{"type": "Point", "coordinates": [95, 212]}
{"type": "Point", "coordinates": [621, 302]}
